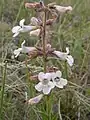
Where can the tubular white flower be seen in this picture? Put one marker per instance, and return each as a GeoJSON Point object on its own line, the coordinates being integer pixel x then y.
{"type": "Point", "coordinates": [62, 9]}
{"type": "Point", "coordinates": [35, 32]}
{"type": "Point", "coordinates": [35, 100]}
{"type": "Point", "coordinates": [22, 28]}
{"type": "Point", "coordinates": [45, 84]}
{"type": "Point", "coordinates": [57, 80]}
{"type": "Point", "coordinates": [65, 56]}
{"type": "Point", "coordinates": [23, 49]}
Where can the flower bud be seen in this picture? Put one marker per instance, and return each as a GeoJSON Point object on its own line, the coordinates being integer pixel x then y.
{"type": "Point", "coordinates": [35, 32]}
{"type": "Point", "coordinates": [35, 100]}
{"type": "Point", "coordinates": [62, 9]}
{"type": "Point", "coordinates": [33, 5]}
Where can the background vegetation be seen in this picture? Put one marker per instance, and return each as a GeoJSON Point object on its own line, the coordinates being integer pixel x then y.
{"type": "Point", "coordinates": [73, 102]}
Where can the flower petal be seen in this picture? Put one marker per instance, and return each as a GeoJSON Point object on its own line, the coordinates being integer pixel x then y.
{"type": "Point", "coordinates": [61, 55]}
{"type": "Point", "coordinates": [35, 99]}
{"type": "Point", "coordinates": [17, 52]}
{"type": "Point", "coordinates": [22, 44]}
{"type": "Point", "coordinates": [46, 89]}
{"type": "Point", "coordinates": [53, 75]}
{"type": "Point", "coordinates": [67, 50]}
{"type": "Point", "coordinates": [58, 73]}
{"type": "Point", "coordinates": [51, 84]}
{"type": "Point", "coordinates": [47, 76]}
{"type": "Point", "coordinates": [39, 87]}
{"type": "Point", "coordinates": [63, 81]}
{"type": "Point", "coordinates": [70, 60]}
{"type": "Point", "coordinates": [69, 8]}
{"type": "Point", "coordinates": [41, 76]}
{"type": "Point", "coordinates": [15, 29]}
{"type": "Point", "coordinates": [16, 34]}
{"type": "Point", "coordinates": [21, 23]}
{"type": "Point", "coordinates": [27, 28]}
{"type": "Point", "coordinates": [59, 85]}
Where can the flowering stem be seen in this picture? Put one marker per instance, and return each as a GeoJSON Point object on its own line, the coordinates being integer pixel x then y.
{"type": "Point", "coordinates": [44, 41]}
{"type": "Point", "coordinates": [2, 89]}
{"type": "Point", "coordinates": [44, 59]}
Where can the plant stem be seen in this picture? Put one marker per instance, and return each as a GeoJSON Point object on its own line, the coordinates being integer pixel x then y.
{"type": "Point", "coordinates": [66, 72]}
{"type": "Point", "coordinates": [59, 110]}
{"type": "Point", "coordinates": [29, 83]}
{"type": "Point", "coordinates": [2, 89]}
{"type": "Point", "coordinates": [48, 107]}
{"type": "Point", "coordinates": [44, 41]}
{"type": "Point", "coordinates": [44, 60]}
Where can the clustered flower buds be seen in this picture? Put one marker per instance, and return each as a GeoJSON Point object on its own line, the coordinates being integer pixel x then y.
{"type": "Point", "coordinates": [52, 76]}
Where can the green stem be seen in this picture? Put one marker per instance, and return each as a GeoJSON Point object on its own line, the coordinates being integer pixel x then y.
{"type": "Point", "coordinates": [59, 110]}
{"type": "Point", "coordinates": [48, 107]}
{"type": "Point", "coordinates": [29, 83]}
{"type": "Point", "coordinates": [66, 72]}
{"type": "Point", "coordinates": [2, 89]}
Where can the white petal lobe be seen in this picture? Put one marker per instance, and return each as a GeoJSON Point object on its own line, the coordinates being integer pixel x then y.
{"type": "Point", "coordinates": [63, 81]}
{"type": "Point", "coordinates": [70, 60]}
{"type": "Point", "coordinates": [41, 76]}
{"type": "Point", "coordinates": [39, 87]}
{"type": "Point", "coordinates": [15, 29]}
{"type": "Point", "coordinates": [21, 23]}
{"type": "Point", "coordinates": [17, 52]}
{"type": "Point", "coordinates": [46, 90]}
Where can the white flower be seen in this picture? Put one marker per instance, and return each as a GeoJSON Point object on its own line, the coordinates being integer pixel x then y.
{"type": "Point", "coordinates": [23, 49]}
{"type": "Point", "coordinates": [65, 56]}
{"type": "Point", "coordinates": [62, 9]}
{"type": "Point", "coordinates": [35, 32]}
{"type": "Point", "coordinates": [35, 100]}
{"type": "Point", "coordinates": [22, 28]}
{"type": "Point", "coordinates": [57, 80]}
{"type": "Point", "coordinates": [45, 84]}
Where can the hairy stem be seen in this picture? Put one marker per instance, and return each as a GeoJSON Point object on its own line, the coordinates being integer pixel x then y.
{"type": "Point", "coordinates": [44, 41]}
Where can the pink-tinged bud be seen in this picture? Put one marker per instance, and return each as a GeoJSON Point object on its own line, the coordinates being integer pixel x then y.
{"type": "Point", "coordinates": [49, 22]}
{"type": "Point", "coordinates": [33, 5]}
{"type": "Point", "coordinates": [35, 32]}
{"type": "Point", "coordinates": [62, 9]}
{"type": "Point", "coordinates": [34, 77]}
{"type": "Point", "coordinates": [51, 4]}
{"type": "Point", "coordinates": [33, 54]}
{"type": "Point", "coordinates": [52, 69]}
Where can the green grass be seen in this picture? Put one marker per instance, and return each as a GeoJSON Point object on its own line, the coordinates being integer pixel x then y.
{"type": "Point", "coordinates": [71, 103]}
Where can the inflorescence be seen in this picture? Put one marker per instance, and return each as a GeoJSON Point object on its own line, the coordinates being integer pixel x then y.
{"type": "Point", "coordinates": [48, 79]}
